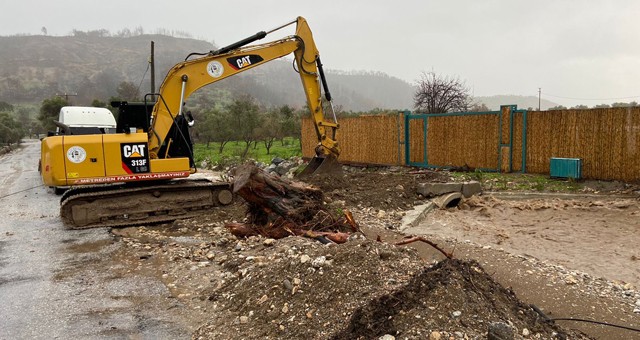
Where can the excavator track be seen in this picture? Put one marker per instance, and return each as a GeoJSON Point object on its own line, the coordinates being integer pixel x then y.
{"type": "Point", "coordinates": [121, 206]}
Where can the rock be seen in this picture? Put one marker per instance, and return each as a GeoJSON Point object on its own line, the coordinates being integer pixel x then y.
{"type": "Point", "coordinates": [435, 335]}
{"type": "Point", "coordinates": [286, 167]}
{"type": "Point", "coordinates": [268, 242]}
{"type": "Point", "coordinates": [277, 160]}
{"type": "Point", "coordinates": [387, 337]}
{"type": "Point", "coordinates": [318, 261]}
{"type": "Point", "coordinates": [459, 335]}
{"type": "Point", "coordinates": [471, 188]}
{"type": "Point", "coordinates": [525, 332]}
{"type": "Point", "coordinates": [437, 189]}
{"type": "Point", "coordinates": [570, 280]}
{"type": "Point", "coordinates": [287, 284]}
{"type": "Point", "coordinates": [271, 168]}
{"type": "Point", "coordinates": [244, 319]}
{"type": "Point", "coordinates": [500, 331]}
{"type": "Point", "coordinates": [305, 258]}
{"type": "Point", "coordinates": [456, 314]}
{"type": "Point", "coordinates": [381, 214]}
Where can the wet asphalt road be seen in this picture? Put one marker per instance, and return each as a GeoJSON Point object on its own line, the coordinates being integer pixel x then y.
{"type": "Point", "coordinates": [57, 283]}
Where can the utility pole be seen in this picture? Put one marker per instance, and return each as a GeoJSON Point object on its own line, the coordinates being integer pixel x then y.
{"type": "Point", "coordinates": [539, 93]}
{"type": "Point", "coordinates": [153, 72]}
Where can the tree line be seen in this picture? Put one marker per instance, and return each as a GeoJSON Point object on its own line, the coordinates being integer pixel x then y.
{"type": "Point", "coordinates": [123, 33]}
{"type": "Point", "coordinates": [244, 120]}
{"type": "Point", "coordinates": [599, 106]}
{"type": "Point", "coordinates": [241, 119]}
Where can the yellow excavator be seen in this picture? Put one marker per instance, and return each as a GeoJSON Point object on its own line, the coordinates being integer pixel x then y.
{"type": "Point", "coordinates": [138, 175]}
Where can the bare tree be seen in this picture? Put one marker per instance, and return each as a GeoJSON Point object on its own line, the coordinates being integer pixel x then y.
{"type": "Point", "coordinates": [441, 94]}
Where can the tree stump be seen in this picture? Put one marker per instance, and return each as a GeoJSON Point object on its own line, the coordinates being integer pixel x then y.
{"type": "Point", "coordinates": [280, 208]}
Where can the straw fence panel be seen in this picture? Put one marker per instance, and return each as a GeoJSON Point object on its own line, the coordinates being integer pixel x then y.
{"type": "Point", "coordinates": [606, 140]}
{"type": "Point", "coordinates": [463, 141]}
{"type": "Point", "coordinates": [363, 140]}
{"type": "Point", "coordinates": [516, 146]}
{"type": "Point", "coordinates": [416, 145]}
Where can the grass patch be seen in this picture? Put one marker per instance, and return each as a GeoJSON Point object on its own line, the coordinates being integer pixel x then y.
{"type": "Point", "coordinates": [232, 152]}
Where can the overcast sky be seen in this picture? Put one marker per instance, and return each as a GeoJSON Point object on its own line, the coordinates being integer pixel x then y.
{"type": "Point", "coordinates": [578, 52]}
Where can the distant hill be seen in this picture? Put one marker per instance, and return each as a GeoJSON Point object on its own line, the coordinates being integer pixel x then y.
{"type": "Point", "coordinates": [36, 67]}
{"type": "Point", "coordinates": [33, 68]}
{"type": "Point", "coordinates": [523, 102]}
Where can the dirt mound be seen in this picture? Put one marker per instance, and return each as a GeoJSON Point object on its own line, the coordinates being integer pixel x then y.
{"type": "Point", "coordinates": [451, 297]}
{"type": "Point", "coordinates": [384, 188]}
{"type": "Point", "coordinates": [360, 290]}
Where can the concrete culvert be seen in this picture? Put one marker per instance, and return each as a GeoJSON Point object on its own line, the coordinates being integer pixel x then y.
{"type": "Point", "coordinates": [449, 200]}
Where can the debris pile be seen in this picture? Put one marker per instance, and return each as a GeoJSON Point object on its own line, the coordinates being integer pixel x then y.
{"type": "Point", "coordinates": [297, 288]}
{"type": "Point", "coordinates": [279, 208]}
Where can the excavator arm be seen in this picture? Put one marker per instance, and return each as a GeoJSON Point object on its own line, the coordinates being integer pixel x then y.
{"type": "Point", "coordinates": [188, 76]}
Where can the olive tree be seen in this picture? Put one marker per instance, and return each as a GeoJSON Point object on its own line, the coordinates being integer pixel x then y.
{"type": "Point", "coordinates": [11, 130]}
{"type": "Point", "coordinates": [245, 119]}
{"type": "Point", "coordinates": [50, 110]}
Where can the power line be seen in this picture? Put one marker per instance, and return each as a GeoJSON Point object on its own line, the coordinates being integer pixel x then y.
{"type": "Point", "coordinates": [17, 192]}
{"type": "Point", "coordinates": [143, 76]}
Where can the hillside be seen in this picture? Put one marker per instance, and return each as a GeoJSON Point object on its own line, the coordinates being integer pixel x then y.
{"type": "Point", "coordinates": [523, 102]}
{"type": "Point", "coordinates": [36, 67]}
{"type": "Point", "coordinates": [33, 68]}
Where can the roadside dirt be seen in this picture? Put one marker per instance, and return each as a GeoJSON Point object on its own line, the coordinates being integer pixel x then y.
{"type": "Point", "coordinates": [509, 254]}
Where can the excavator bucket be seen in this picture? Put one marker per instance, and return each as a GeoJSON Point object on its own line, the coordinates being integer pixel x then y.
{"type": "Point", "coordinates": [321, 165]}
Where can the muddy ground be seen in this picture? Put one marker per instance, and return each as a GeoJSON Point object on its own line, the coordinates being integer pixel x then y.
{"type": "Point", "coordinates": [572, 256]}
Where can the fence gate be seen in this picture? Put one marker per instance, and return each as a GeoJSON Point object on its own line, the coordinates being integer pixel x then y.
{"type": "Point", "coordinates": [485, 141]}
